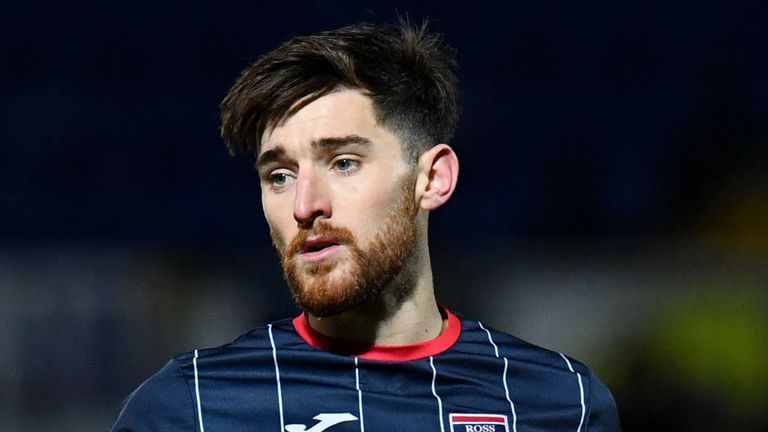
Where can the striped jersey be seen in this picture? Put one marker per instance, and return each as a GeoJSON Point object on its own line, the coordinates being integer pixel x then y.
{"type": "Point", "coordinates": [286, 377]}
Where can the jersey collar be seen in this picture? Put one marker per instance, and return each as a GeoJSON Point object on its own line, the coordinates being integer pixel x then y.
{"type": "Point", "coordinates": [387, 353]}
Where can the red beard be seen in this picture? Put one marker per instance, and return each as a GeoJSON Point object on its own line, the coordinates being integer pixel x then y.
{"type": "Point", "coordinates": [369, 269]}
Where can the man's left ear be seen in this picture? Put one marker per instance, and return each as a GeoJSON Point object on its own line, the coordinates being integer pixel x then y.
{"type": "Point", "coordinates": [438, 170]}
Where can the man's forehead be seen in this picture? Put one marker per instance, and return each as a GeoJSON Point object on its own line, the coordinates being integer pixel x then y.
{"type": "Point", "coordinates": [338, 114]}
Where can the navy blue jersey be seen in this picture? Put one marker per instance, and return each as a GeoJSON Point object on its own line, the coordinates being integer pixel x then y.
{"type": "Point", "coordinates": [288, 378]}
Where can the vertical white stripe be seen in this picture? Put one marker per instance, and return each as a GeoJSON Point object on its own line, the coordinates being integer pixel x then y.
{"type": "Point", "coordinates": [503, 377]}
{"type": "Point", "coordinates": [490, 339]}
{"type": "Point", "coordinates": [359, 397]}
{"type": "Point", "coordinates": [583, 407]}
{"type": "Point", "coordinates": [568, 362]}
{"type": "Point", "coordinates": [197, 395]}
{"type": "Point", "coordinates": [581, 392]}
{"type": "Point", "coordinates": [434, 392]}
{"type": "Point", "coordinates": [506, 391]}
{"type": "Point", "coordinates": [277, 376]}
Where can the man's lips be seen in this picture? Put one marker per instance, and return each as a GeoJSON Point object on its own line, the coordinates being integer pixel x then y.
{"type": "Point", "coordinates": [317, 243]}
{"type": "Point", "coordinates": [318, 248]}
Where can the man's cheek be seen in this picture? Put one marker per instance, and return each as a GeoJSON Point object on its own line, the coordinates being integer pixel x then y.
{"type": "Point", "coordinates": [278, 241]}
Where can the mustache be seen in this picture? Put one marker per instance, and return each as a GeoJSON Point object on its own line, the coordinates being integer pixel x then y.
{"type": "Point", "coordinates": [321, 229]}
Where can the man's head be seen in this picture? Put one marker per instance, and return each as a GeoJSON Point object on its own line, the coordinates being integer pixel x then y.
{"type": "Point", "coordinates": [348, 128]}
{"type": "Point", "coordinates": [408, 73]}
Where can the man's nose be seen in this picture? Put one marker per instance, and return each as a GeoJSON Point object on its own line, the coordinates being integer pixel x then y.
{"type": "Point", "coordinates": [312, 199]}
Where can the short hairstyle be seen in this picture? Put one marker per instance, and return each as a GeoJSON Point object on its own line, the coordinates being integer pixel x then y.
{"type": "Point", "coordinates": [408, 73]}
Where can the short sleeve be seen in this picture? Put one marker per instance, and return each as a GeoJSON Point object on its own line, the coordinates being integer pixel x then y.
{"type": "Point", "coordinates": [603, 415]}
{"type": "Point", "coordinates": [162, 403]}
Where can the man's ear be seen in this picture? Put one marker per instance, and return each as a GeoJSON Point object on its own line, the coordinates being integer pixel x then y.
{"type": "Point", "coordinates": [438, 171]}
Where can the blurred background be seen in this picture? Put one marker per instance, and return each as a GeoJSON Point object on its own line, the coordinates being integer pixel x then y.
{"type": "Point", "coordinates": [613, 199]}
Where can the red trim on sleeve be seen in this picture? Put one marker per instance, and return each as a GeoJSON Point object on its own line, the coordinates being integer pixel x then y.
{"type": "Point", "coordinates": [387, 353]}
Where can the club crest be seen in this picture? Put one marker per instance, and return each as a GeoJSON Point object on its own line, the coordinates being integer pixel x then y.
{"type": "Point", "coordinates": [479, 423]}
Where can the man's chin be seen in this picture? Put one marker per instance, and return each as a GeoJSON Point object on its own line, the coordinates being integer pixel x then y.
{"type": "Point", "coordinates": [313, 272]}
{"type": "Point", "coordinates": [324, 307]}
{"type": "Point", "coordinates": [323, 292]}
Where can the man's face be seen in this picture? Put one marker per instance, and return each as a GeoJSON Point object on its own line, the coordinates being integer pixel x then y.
{"type": "Point", "coordinates": [339, 199]}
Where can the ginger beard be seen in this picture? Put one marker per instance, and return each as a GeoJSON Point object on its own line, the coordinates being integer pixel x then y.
{"type": "Point", "coordinates": [368, 269]}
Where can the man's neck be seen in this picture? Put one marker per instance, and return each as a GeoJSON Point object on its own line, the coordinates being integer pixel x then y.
{"type": "Point", "coordinates": [412, 320]}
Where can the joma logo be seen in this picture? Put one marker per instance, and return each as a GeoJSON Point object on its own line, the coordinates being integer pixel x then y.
{"type": "Point", "coordinates": [325, 421]}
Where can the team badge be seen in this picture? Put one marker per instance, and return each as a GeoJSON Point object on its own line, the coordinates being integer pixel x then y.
{"type": "Point", "coordinates": [479, 423]}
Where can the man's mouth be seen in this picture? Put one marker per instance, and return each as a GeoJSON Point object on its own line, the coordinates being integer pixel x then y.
{"type": "Point", "coordinates": [318, 248]}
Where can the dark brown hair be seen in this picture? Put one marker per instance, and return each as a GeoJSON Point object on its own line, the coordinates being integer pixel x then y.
{"type": "Point", "coordinates": [408, 73]}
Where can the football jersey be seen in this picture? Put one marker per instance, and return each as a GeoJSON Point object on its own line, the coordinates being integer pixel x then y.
{"type": "Point", "coordinates": [286, 377]}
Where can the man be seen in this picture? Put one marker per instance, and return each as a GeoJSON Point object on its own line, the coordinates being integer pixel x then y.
{"type": "Point", "coordinates": [350, 130]}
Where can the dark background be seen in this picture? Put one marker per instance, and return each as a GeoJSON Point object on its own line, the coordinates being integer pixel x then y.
{"type": "Point", "coordinates": [612, 202]}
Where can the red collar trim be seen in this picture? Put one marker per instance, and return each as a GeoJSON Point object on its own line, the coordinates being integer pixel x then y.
{"type": "Point", "coordinates": [387, 353]}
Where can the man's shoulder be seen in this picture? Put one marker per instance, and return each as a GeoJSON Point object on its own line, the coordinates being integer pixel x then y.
{"type": "Point", "coordinates": [167, 398]}
{"type": "Point", "coordinates": [527, 360]}
{"type": "Point", "coordinates": [543, 377]}
{"type": "Point", "coordinates": [256, 345]}
{"type": "Point", "coordinates": [164, 399]}
{"type": "Point", "coordinates": [483, 339]}
{"type": "Point", "coordinates": [256, 342]}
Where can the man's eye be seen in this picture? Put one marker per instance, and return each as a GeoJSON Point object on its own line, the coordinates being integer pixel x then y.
{"type": "Point", "coordinates": [280, 179]}
{"type": "Point", "coordinates": [346, 165]}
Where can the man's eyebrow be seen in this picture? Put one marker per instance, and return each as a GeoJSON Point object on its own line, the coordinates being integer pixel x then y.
{"type": "Point", "coordinates": [331, 143]}
{"type": "Point", "coordinates": [324, 144]}
{"type": "Point", "coordinates": [271, 155]}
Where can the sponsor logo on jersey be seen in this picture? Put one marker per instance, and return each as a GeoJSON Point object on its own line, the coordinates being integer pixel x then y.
{"type": "Point", "coordinates": [478, 423]}
{"type": "Point", "coordinates": [325, 421]}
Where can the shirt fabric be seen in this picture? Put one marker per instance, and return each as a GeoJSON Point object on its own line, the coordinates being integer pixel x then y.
{"type": "Point", "coordinates": [286, 377]}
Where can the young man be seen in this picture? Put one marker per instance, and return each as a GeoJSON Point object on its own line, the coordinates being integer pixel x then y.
{"type": "Point", "coordinates": [349, 129]}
